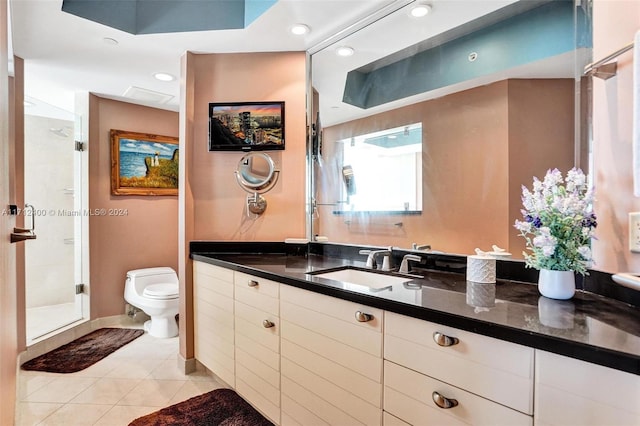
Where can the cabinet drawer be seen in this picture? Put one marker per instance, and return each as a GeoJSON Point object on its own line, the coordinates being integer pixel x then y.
{"type": "Point", "coordinates": [260, 352]}
{"type": "Point", "coordinates": [492, 368]}
{"type": "Point", "coordinates": [332, 307]}
{"type": "Point", "coordinates": [570, 391]}
{"type": "Point", "coordinates": [362, 387]}
{"type": "Point", "coordinates": [409, 396]}
{"type": "Point", "coordinates": [250, 322]}
{"type": "Point", "coordinates": [211, 288]}
{"type": "Point", "coordinates": [344, 328]}
{"type": "Point", "coordinates": [389, 420]}
{"type": "Point", "coordinates": [222, 274]}
{"type": "Point", "coordinates": [259, 383]}
{"type": "Point", "coordinates": [365, 364]}
{"type": "Point", "coordinates": [268, 375]}
{"type": "Point", "coordinates": [251, 297]}
{"type": "Point", "coordinates": [246, 386]}
{"type": "Point", "coordinates": [331, 404]}
{"type": "Point", "coordinates": [258, 285]}
{"type": "Point", "coordinates": [294, 414]}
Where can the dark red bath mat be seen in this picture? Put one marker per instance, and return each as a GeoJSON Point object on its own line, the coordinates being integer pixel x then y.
{"type": "Point", "coordinates": [218, 407]}
{"type": "Point", "coordinates": [84, 351]}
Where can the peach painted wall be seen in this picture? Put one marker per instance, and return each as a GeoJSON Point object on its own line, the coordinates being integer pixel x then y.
{"type": "Point", "coordinates": [147, 235]}
{"type": "Point", "coordinates": [541, 135]}
{"type": "Point", "coordinates": [615, 24]}
{"type": "Point", "coordinates": [219, 203]}
{"type": "Point", "coordinates": [474, 155]}
{"type": "Point", "coordinates": [212, 205]}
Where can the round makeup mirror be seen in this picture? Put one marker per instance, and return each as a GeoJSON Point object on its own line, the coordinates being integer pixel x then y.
{"type": "Point", "coordinates": [256, 173]}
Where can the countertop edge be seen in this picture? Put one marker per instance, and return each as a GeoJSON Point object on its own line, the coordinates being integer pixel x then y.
{"type": "Point", "coordinates": [597, 355]}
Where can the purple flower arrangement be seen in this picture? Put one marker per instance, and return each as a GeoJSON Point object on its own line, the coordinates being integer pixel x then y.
{"type": "Point", "coordinates": [558, 222]}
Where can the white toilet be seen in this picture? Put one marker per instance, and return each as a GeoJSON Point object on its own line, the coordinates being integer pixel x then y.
{"type": "Point", "coordinates": [155, 291]}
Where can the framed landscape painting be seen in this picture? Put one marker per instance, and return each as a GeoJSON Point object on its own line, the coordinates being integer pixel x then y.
{"type": "Point", "coordinates": [143, 164]}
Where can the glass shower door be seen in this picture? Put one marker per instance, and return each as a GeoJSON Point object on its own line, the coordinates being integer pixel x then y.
{"type": "Point", "coordinates": [53, 261]}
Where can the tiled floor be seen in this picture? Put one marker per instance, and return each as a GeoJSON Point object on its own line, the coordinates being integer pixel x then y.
{"type": "Point", "coordinates": [137, 379]}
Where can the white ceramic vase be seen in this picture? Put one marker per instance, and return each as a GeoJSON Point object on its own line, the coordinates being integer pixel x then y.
{"type": "Point", "coordinates": [559, 285]}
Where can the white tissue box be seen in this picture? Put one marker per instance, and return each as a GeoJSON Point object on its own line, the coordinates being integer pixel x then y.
{"type": "Point", "coordinates": [481, 269]}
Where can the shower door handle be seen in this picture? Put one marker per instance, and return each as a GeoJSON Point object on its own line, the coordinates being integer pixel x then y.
{"type": "Point", "coordinates": [21, 234]}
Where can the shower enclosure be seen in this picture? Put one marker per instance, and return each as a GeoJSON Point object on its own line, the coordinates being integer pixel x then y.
{"type": "Point", "coordinates": [53, 185]}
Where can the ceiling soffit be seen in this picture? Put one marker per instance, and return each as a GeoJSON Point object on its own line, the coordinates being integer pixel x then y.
{"type": "Point", "coordinates": [169, 16]}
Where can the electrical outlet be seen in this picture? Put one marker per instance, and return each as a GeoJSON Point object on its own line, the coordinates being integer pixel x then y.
{"type": "Point", "coordinates": [634, 232]}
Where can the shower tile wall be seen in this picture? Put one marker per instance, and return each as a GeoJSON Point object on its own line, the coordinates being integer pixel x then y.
{"type": "Point", "coordinates": [49, 172]}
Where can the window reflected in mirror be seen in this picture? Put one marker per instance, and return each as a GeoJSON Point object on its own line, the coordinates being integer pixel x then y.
{"type": "Point", "coordinates": [382, 171]}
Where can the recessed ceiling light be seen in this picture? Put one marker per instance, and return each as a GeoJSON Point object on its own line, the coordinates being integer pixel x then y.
{"type": "Point", "coordinates": [163, 76]}
{"type": "Point", "coordinates": [109, 40]}
{"type": "Point", "coordinates": [420, 10]}
{"type": "Point", "coordinates": [344, 51]}
{"type": "Point", "coordinates": [300, 29]}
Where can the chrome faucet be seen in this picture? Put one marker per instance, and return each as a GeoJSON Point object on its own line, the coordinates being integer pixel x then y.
{"type": "Point", "coordinates": [372, 259]}
{"type": "Point", "coordinates": [404, 266]}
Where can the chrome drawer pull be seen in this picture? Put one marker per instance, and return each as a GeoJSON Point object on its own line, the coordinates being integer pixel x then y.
{"type": "Point", "coordinates": [362, 317]}
{"type": "Point", "coordinates": [267, 324]}
{"type": "Point", "coordinates": [444, 340]}
{"type": "Point", "coordinates": [253, 283]}
{"type": "Point", "coordinates": [443, 402]}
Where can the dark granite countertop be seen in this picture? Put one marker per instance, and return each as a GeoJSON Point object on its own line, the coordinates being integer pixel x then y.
{"type": "Point", "coordinates": [589, 327]}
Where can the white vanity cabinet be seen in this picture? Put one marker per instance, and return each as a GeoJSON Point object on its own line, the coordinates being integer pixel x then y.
{"type": "Point", "coordinates": [304, 358]}
{"type": "Point", "coordinates": [213, 319]}
{"type": "Point", "coordinates": [331, 360]}
{"type": "Point", "coordinates": [257, 343]}
{"type": "Point", "coordinates": [575, 392]}
{"type": "Point", "coordinates": [440, 375]}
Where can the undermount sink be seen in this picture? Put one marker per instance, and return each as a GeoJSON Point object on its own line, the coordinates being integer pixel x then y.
{"type": "Point", "coordinates": [373, 280]}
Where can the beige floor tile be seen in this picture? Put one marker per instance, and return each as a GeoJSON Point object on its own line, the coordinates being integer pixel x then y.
{"type": "Point", "coordinates": [105, 391]}
{"type": "Point", "coordinates": [76, 415]}
{"type": "Point", "coordinates": [201, 373]}
{"type": "Point", "coordinates": [133, 369]}
{"type": "Point", "coordinates": [27, 384]}
{"type": "Point", "coordinates": [122, 415]}
{"type": "Point", "coordinates": [32, 413]}
{"type": "Point", "coordinates": [100, 368]}
{"type": "Point", "coordinates": [148, 347]}
{"type": "Point", "coordinates": [194, 388]}
{"type": "Point", "coordinates": [168, 370]}
{"type": "Point", "coordinates": [60, 389]}
{"type": "Point", "coordinates": [152, 393]}
{"type": "Point", "coordinates": [136, 380]}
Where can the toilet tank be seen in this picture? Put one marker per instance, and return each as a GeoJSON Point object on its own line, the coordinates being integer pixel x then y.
{"type": "Point", "coordinates": [141, 278]}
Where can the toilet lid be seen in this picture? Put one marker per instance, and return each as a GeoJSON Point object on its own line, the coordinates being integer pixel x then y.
{"type": "Point", "coordinates": [161, 291]}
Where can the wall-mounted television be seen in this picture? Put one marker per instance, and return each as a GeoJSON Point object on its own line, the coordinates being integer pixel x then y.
{"type": "Point", "coordinates": [246, 126]}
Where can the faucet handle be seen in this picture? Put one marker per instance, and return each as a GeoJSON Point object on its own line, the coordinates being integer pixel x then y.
{"type": "Point", "coordinates": [386, 262]}
{"type": "Point", "coordinates": [404, 266]}
{"type": "Point", "coordinates": [370, 258]}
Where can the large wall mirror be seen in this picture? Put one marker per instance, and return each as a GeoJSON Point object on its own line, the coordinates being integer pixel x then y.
{"type": "Point", "coordinates": [492, 90]}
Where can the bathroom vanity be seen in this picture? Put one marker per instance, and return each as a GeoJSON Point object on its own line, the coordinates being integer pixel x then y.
{"type": "Point", "coordinates": [428, 349]}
